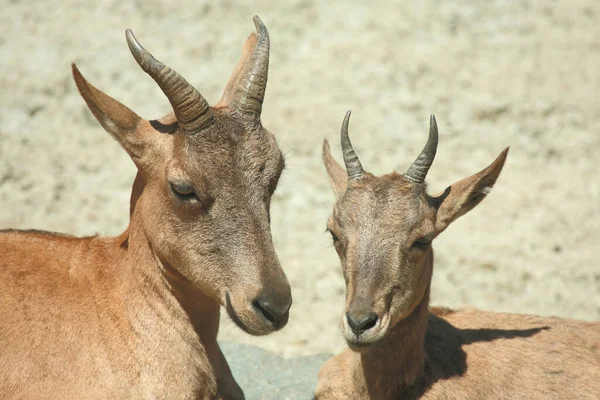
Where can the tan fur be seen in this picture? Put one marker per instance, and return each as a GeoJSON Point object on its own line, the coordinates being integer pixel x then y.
{"type": "Point", "coordinates": [137, 315]}
{"type": "Point", "coordinates": [413, 352]}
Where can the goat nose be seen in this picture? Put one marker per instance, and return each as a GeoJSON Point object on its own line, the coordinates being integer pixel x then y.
{"type": "Point", "coordinates": [275, 312]}
{"type": "Point", "coordinates": [361, 322]}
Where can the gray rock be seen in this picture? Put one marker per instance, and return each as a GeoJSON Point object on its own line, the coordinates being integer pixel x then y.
{"type": "Point", "coordinates": [266, 376]}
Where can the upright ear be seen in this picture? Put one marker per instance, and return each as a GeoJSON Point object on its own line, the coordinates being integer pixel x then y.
{"type": "Point", "coordinates": [464, 195]}
{"type": "Point", "coordinates": [115, 118]}
{"type": "Point", "coordinates": [338, 178]}
{"type": "Point", "coordinates": [236, 76]}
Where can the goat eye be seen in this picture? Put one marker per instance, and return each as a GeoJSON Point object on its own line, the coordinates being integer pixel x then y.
{"type": "Point", "coordinates": [272, 187]}
{"type": "Point", "coordinates": [422, 243]}
{"type": "Point", "coordinates": [184, 191]}
{"type": "Point", "coordinates": [333, 235]}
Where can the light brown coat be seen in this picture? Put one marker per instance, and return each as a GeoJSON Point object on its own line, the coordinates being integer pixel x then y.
{"type": "Point", "coordinates": [382, 229]}
{"type": "Point", "coordinates": [136, 316]}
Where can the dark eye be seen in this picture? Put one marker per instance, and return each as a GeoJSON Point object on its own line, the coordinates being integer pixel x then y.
{"type": "Point", "coordinates": [272, 186]}
{"type": "Point", "coordinates": [333, 235]}
{"type": "Point", "coordinates": [422, 243]}
{"type": "Point", "coordinates": [184, 191]}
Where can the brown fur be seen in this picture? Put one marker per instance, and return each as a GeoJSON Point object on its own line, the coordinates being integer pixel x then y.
{"type": "Point", "coordinates": [412, 352]}
{"type": "Point", "coordinates": [137, 315]}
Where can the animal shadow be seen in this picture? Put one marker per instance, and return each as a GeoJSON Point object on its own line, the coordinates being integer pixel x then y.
{"type": "Point", "coordinates": [445, 357]}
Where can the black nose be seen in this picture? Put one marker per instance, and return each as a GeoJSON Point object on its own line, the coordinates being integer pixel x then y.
{"type": "Point", "coordinates": [273, 311]}
{"type": "Point", "coordinates": [360, 322]}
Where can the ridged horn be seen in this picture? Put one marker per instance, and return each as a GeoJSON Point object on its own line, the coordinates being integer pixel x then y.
{"type": "Point", "coordinates": [191, 109]}
{"type": "Point", "coordinates": [250, 93]}
{"type": "Point", "coordinates": [353, 166]}
{"type": "Point", "coordinates": [418, 170]}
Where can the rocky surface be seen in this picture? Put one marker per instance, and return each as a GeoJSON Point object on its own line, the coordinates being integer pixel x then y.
{"type": "Point", "coordinates": [522, 73]}
{"type": "Point", "coordinates": [265, 376]}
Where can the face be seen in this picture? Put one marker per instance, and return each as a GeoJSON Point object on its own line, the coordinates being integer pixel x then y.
{"type": "Point", "coordinates": [382, 230]}
{"type": "Point", "coordinates": [207, 176]}
{"type": "Point", "coordinates": [206, 210]}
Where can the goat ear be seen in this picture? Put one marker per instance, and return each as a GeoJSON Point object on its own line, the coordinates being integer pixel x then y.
{"type": "Point", "coordinates": [114, 117]}
{"type": "Point", "coordinates": [338, 178]}
{"type": "Point", "coordinates": [462, 196]}
{"type": "Point", "coordinates": [238, 72]}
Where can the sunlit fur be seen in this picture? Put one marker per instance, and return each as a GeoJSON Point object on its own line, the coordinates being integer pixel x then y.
{"type": "Point", "coordinates": [137, 315]}
{"type": "Point", "coordinates": [414, 352]}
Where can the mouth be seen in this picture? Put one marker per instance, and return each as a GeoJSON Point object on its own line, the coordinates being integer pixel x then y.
{"type": "Point", "coordinates": [270, 325]}
{"type": "Point", "coordinates": [358, 345]}
{"type": "Point", "coordinates": [234, 316]}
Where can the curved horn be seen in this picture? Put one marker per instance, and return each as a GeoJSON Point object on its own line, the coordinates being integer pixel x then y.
{"type": "Point", "coordinates": [353, 166]}
{"type": "Point", "coordinates": [250, 93]}
{"type": "Point", "coordinates": [191, 109]}
{"type": "Point", "coordinates": [418, 170]}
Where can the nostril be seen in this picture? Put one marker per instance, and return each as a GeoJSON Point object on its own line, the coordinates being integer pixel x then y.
{"type": "Point", "coordinates": [264, 310]}
{"type": "Point", "coordinates": [362, 322]}
{"type": "Point", "coordinates": [370, 321]}
{"type": "Point", "coordinates": [272, 313]}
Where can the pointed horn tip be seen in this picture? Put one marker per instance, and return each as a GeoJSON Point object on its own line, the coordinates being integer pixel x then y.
{"type": "Point", "coordinates": [261, 29]}
{"type": "Point", "coordinates": [433, 124]}
{"type": "Point", "coordinates": [129, 35]}
{"type": "Point", "coordinates": [433, 128]}
{"type": "Point", "coordinates": [143, 57]}
{"type": "Point", "coordinates": [346, 119]}
{"type": "Point", "coordinates": [134, 45]}
{"type": "Point", "coordinates": [257, 22]}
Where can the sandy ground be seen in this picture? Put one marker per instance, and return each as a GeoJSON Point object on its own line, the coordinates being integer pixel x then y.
{"type": "Point", "coordinates": [495, 73]}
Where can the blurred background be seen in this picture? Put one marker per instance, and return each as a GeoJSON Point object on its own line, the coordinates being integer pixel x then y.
{"type": "Point", "coordinates": [495, 73]}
